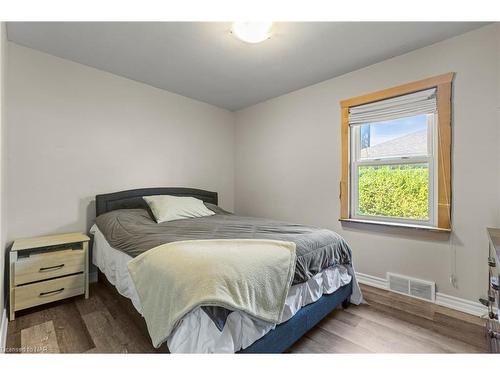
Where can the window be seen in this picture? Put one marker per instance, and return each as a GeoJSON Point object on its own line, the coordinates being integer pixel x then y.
{"type": "Point", "coordinates": [392, 170]}
{"type": "Point", "coordinates": [396, 156]}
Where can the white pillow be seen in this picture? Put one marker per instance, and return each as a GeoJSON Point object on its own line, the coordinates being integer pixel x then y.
{"type": "Point", "coordinates": [168, 207]}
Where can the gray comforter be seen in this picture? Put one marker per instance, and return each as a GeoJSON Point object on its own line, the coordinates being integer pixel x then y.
{"type": "Point", "coordinates": [133, 231]}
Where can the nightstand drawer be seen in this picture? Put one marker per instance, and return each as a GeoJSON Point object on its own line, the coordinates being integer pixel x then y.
{"type": "Point", "coordinates": [48, 291]}
{"type": "Point", "coordinates": [48, 265]}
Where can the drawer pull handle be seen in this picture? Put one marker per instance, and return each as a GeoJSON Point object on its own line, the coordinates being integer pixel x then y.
{"type": "Point", "coordinates": [52, 268]}
{"type": "Point", "coordinates": [43, 294]}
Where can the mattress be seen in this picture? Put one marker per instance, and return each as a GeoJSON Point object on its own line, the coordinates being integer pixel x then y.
{"type": "Point", "coordinates": [197, 333]}
{"type": "Point", "coordinates": [134, 231]}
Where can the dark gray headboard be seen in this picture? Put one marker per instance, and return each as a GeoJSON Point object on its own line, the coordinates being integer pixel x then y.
{"type": "Point", "coordinates": [133, 198]}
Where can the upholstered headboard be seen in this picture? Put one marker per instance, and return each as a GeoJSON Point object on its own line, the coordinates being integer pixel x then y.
{"type": "Point", "coordinates": [133, 198]}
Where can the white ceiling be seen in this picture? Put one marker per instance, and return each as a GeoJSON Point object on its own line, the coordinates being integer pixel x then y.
{"type": "Point", "coordinates": [202, 60]}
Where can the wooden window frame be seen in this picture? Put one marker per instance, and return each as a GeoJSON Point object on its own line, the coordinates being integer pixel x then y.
{"type": "Point", "coordinates": [443, 85]}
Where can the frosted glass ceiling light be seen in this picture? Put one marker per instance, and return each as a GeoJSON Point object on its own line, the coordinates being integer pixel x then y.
{"type": "Point", "coordinates": [252, 32]}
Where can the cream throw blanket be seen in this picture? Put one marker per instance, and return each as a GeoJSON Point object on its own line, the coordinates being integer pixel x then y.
{"type": "Point", "coordinates": [252, 276]}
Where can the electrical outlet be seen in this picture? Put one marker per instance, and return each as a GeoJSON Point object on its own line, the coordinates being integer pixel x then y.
{"type": "Point", "coordinates": [453, 281]}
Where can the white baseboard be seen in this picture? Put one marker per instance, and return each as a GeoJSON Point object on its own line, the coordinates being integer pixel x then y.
{"type": "Point", "coordinates": [374, 281]}
{"type": "Point", "coordinates": [460, 304]}
{"type": "Point", "coordinates": [455, 303]}
{"type": "Point", "coordinates": [3, 331]}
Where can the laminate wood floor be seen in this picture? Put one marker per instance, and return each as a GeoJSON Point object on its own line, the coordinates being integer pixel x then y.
{"type": "Point", "coordinates": [388, 323]}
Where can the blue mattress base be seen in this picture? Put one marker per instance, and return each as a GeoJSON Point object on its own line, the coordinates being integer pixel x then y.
{"type": "Point", "coordinates": [286, 334]}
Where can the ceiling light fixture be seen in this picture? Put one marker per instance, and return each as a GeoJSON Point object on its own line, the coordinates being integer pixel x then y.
{"type": "Point", "coordinates": [252, 32]}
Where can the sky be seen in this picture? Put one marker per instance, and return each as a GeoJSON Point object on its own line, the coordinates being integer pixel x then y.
{"type": "Point", "coordinates": [384, 131]}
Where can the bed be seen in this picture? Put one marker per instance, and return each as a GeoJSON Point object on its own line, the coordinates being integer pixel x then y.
{"type": "Point", "coordinates": [320, 283]}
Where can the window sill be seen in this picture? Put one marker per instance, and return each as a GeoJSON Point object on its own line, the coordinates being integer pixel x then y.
{"type": "Point", "coordinates": [398, 225]}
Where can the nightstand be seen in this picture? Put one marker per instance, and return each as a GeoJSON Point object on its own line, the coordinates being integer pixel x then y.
{"type": "Point", "coordinates": [47, 269]}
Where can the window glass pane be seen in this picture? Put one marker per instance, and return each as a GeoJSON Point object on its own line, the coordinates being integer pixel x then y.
{"type": "Point", "coordinates": [401, 137]}
{"type": "Point", "coordinates": [400, 191]}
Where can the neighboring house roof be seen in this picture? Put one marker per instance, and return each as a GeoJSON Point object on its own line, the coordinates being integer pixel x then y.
{"type": "Point", "coordinates": [410, 144]}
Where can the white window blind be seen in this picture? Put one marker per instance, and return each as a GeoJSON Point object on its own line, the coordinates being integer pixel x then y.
{"type": "Point", "coordinates": [417, 103]}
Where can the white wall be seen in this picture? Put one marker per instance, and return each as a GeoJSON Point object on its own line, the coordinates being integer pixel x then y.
{"type": "Point", "coordinates": [288, 163]}
{"type": "Point", "coordinates": [498, 105]}
{"type": "Point", "coordinates": [3, 59]}
{"type": "Point", "coordinates": [74, 132]}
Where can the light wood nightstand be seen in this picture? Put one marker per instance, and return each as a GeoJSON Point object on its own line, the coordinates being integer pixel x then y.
{"type": "Point", "coordinates": [47, 269]}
